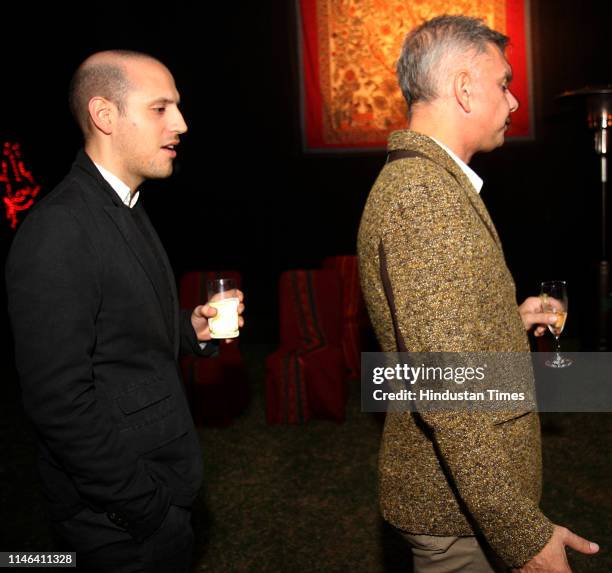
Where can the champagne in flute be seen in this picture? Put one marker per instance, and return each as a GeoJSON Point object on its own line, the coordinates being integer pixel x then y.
{"type": "Point", "coordinates": [557, 328]}
{"type": "Point", "coordinates": [554, 299]}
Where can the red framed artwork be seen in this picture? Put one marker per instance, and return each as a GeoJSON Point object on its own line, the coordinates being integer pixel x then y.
{"type": "Point", "coordinates": [350, 99]}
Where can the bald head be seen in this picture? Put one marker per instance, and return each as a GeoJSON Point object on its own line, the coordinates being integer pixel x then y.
{"type": "Point", "coordinates": [104, 74]}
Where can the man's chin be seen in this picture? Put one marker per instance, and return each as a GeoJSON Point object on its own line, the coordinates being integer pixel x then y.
{"type": "Point", "coordinates": [161, 172]}
{"type": "Point", "coordinates": [498, 142]}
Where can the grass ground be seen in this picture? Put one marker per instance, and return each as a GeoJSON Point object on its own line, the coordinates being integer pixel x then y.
{"type": "Point", "coordinates": [293, 499]}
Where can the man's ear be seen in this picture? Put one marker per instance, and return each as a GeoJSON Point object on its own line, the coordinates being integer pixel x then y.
{"type": "Point", "coordinates": [101, 113]}
{"type": "Point", "coordinates": [462, 87]}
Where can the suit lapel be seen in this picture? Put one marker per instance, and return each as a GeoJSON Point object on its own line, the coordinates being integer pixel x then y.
{"type": "Point", "coordinates": [410, 140]}
{"type": "Point", "coordinates": [173, 318]}
{"type": "Point", "coordinates": [124, 222]}
{"type": "Point", "coordinates": [475, 199]}
{"type": "Point", "coordinates": [157, 268]}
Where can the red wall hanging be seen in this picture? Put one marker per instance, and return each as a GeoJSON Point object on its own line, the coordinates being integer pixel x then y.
{"type": "Point", "coordinates": [350, 98]}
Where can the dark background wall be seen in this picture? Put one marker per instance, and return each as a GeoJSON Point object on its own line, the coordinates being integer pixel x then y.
{"type": "Point", "coordinates": [241, 165]}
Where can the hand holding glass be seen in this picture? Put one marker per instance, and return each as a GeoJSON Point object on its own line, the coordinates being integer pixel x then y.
{"type": "Point", "coordinates": [223, 296]}
{"type": "Point", "coordinates": [554, 299]}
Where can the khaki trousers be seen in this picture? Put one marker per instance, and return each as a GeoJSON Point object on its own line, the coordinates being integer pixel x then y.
{"type": "Point", "coordinates": [436, 554]}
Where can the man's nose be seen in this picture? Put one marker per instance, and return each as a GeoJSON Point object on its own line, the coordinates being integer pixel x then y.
{"type": "Point", "coordinates": [178, 124]}
{"type": "Point", "coordinates": [513, 102]}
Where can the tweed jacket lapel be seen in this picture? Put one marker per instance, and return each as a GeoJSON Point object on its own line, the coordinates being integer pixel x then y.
{"type": "Point", "coordinates": [410, 140]}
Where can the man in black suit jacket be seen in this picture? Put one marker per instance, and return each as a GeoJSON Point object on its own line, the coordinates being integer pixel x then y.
{"type": "Point", "coordinates": [97, 330]}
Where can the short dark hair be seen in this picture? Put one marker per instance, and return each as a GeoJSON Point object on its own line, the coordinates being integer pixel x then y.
{"type": "Point", "coordinates": [104, 78]}
{"type": "Point", "coordinates": [424, 48]}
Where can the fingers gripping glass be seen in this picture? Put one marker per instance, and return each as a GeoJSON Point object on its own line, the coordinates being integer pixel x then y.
{"type": "Point", "coordinates": [554, 299]}
{"type": "Point", "coordinates": [223, 296]}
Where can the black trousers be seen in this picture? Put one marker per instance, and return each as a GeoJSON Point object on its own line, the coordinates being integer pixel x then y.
{"type": "Point", "coordinates": [103, 547]}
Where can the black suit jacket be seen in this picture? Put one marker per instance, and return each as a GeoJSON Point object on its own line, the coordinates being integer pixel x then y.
{"type": "Point", "coordinates": [97, 332]}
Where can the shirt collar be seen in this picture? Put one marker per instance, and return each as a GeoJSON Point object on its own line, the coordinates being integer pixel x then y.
{"type": "Point", "coordinates": [475, 180]}
{"type": "Point", "coordinates": [119, 186]}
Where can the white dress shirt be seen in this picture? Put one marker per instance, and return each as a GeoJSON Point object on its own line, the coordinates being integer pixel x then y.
{"type": "Point", "coordinates": [476, 181]}
{"type": "Point", "coordinates": [124, 192]}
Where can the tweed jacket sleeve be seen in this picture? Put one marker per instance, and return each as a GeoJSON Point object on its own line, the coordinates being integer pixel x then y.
{"type": "Point", "coordinates": [435, 280]}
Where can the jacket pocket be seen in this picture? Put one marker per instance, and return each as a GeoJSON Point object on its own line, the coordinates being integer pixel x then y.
{"type": "Point", "coordinates": [144, 404]}
{"type": "Point", "coordinates": [149, 415]}
{"type": "Point", "coordinates": [142, 397]}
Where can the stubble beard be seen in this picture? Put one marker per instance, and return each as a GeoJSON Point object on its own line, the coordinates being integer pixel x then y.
{"type": "Point", "coordinates": [158, 169]}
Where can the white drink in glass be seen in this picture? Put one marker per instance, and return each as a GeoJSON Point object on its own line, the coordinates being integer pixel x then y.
{"type": "Point", "coordinates": [225, 323]}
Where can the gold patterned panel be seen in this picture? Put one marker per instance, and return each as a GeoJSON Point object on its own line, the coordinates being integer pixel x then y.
{"type": "Point", "coordinates": [359, 43]}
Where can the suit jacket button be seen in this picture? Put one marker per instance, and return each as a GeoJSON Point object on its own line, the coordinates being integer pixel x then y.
{"type": "Point", "coordinates": [118, 520]}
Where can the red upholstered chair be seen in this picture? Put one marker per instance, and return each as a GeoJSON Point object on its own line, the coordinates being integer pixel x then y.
{"type": "Point", "coordinates": [305, 375]}
{"type": "Point", "coordinates": [355, 322]}
{"type": "Point", "coordinates": [217, 387]}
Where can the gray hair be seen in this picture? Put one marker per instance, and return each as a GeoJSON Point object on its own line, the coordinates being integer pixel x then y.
{"type": "Point", "coordinates": [425, 49]}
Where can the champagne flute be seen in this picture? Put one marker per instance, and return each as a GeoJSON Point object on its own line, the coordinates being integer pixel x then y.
{"type": "Point", "coordinates": [554, 299]}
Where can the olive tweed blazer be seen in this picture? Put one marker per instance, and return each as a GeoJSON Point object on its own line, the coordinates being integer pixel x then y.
{"type": "Point", "coordinates": [435, 279]}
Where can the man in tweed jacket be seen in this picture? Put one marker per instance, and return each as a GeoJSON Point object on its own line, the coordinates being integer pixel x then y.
{"type": "Point", "coordinates": [435, 280]}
